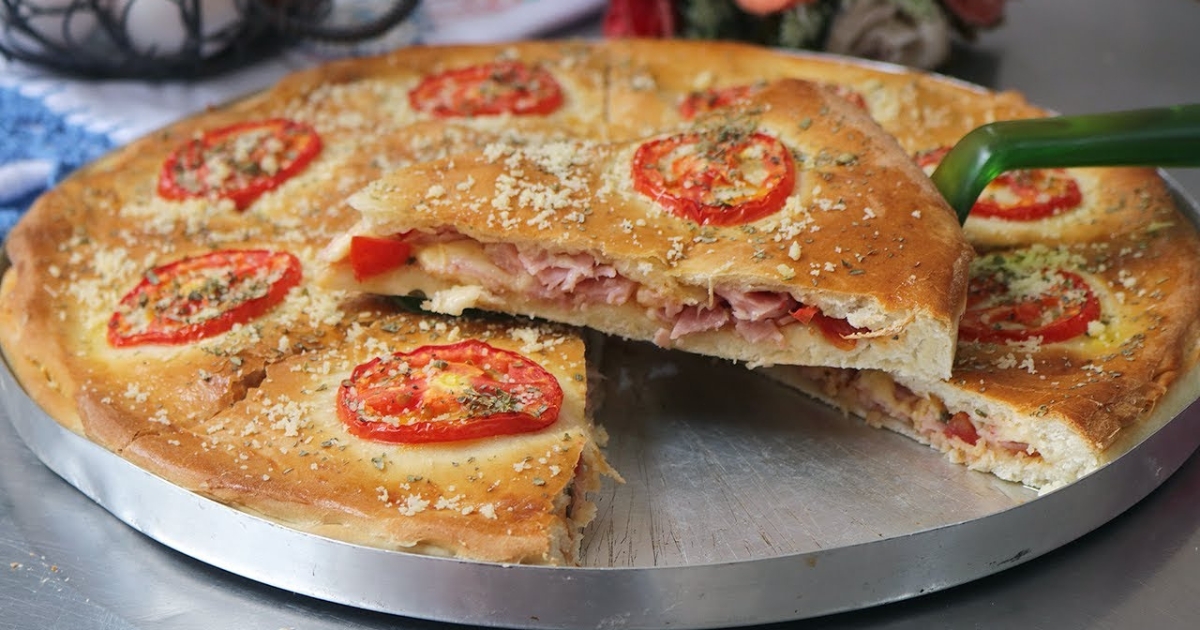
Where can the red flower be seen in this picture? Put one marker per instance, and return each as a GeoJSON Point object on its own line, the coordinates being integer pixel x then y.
{"type": "Point", "coordinates": [767, 7]}
{"type": "Point", "coordinates": [982, 13]}
{"type": "Point", "coordinates": [639, 18]}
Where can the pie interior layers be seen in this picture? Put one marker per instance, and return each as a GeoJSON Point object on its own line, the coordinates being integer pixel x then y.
{"type": "Point", "coordinates": [859, 263]}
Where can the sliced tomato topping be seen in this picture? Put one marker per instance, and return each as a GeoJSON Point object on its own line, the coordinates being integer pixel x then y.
{"type": "Point", "coordinates": [850, 94]}
{"type": "Point", "coordinates": [705, 101]}
{"type": "Point", "coordinates": [834, 330]}
{"type": "Point", "coordinates": [371, 256]}
{"type": "Point", "coordinates": [464, 391]}
{"type": "Point", "coordinates": [202, 296]}
{"type": "Point", "coordinates": [1058, 307]}
{"type": "Point", "coordinates": [717, 178]}
{"type": "Point", "coordinates": [502, 87]}
{"type": "Point", "coordinates": [239, 162]}
{"type": "Point", "coordinates": [1022, 195]}
{"type": "Point", "coordinates": [805, 314]}
{"type": "Point", "coordinates": [960, 426]}
{"type": "Point", "coordinates": [1028, 195]}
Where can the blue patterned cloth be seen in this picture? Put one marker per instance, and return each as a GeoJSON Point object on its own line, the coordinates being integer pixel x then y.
{"type": "Point", "coordinates": [39, 148]}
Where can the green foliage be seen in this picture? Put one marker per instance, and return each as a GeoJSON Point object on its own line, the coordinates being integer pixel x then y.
{"type": "Point", "coordinates": [803, 26]}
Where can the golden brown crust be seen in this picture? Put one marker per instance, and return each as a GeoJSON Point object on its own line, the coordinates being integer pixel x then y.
{"type": "Point", "coordinates": [650, 78]}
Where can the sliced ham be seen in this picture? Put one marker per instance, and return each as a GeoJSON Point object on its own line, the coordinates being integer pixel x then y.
{"type": "Point", "coordinates": [694, 319]}
{"type": "Point", "coordinates": [506, 256]}
{"type": "Point", "coordinates": [1017, 447]}
{"type": "Point", "coordinates": [565, 279]}
{"type": "Point", "coordinates": [757, 316]}
{"type": "Point", "coordinates": [538, 260]}
{"type": "Point", "coordinates": [758, 305]}
{"type": "Point", "coordinates": [578, 275]}
{"type": "Point", "coordinates": [668, 310]}
{"type": "Point", "coordinates": [562, 272]}
{"type": "Point", "coordinates": [615, 290]}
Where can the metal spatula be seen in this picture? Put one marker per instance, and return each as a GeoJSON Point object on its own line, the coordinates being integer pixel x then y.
{"type": "Point", "coordinates": [1166, 137]}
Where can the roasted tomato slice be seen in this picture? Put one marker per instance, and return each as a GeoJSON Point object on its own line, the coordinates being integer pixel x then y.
{"type": "Point", "coordinates": [715, 178]}
{"type": "Point", "coordinates": [239, 162]}
{"type": "Point", "coordinates": [1002, 306]}
{"type": "Point", "coordinates": [371, 256]}
{"type": "Point", "coordinates": [464, 391]}
{"type": "Point", "coordinates": [502, 87]}
{"type": "Point", "coordinates": [1022, 195]}
{"type": "Point", "coordinates": [833, 329]}
{"type": "Point", "coordinates": [202, 296]}
{"type": "Point", "coordinates": [960, 426]}
{"type": "Point", "coordinates": [704, 101]}
{"type": "Point", "coordinates": [850, 94]}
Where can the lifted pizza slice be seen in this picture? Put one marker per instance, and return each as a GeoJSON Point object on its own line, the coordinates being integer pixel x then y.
{"type": "Point", "coordinates": [787, 229]}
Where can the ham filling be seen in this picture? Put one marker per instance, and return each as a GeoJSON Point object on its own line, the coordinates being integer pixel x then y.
{"type": "Point", "coordinates": [577, 279]}
{"type": "Point", "coordinates": [928, 416]}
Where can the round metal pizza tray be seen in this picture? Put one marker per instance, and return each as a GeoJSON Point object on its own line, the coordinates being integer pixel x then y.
{"type": "Point", "coordinates": [744, 503]}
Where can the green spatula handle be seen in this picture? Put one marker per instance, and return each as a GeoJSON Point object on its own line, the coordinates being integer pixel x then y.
{"type": "Point", "coordinates": [1166, 136]}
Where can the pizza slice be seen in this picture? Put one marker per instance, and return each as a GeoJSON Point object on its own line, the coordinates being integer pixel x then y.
{"type": "Point", "coordinates": [792, 231]}
{"type": "Point", "coordinates": [1064, 352]}
{"type": "Point", "coordinates": [454, 438]}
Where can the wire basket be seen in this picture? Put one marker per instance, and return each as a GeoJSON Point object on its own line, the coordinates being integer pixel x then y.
{"type": "Point", "coordinates": [174, 38]}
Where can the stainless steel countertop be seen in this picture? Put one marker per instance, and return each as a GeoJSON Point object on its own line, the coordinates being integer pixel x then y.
{"type": "Point", "coordinates": [1140, 570]}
